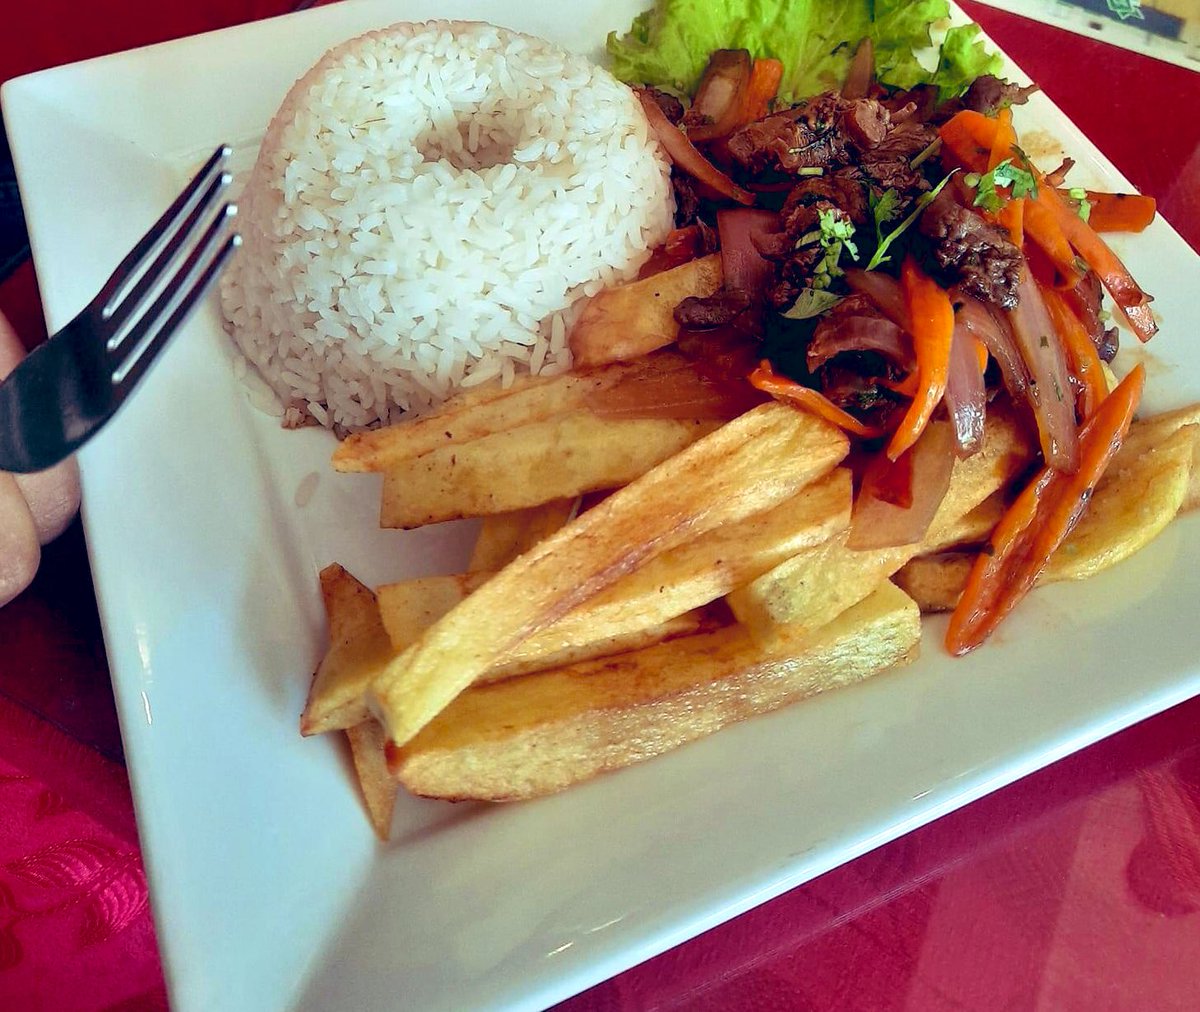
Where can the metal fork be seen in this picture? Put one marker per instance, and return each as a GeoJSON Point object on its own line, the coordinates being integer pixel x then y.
{"type": "Point", "coordinates": [68, 387]}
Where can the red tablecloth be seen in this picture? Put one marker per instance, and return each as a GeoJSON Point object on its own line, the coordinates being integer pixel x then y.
{"type": "Point", "coordinates": [1076, 888]}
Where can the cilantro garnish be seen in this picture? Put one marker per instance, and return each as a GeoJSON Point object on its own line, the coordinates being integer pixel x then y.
{"type": "Point", "coordinates": [835, 229]}
{"type": "Point", "coordinates": [812, 302]}
{"type": "Point", "coordinates": [1022, 183]}
{"type": "Point", "coordinates": [880, 255]}
{"type": "Point", "coordinates": [834, 232]}
{"type": "Point", "coordinates": [884, 208]}
{"type": "Point", "coordinates": [1084, 208]}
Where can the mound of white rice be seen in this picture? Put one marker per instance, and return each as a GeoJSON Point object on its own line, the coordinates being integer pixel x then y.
{"type": "Point", "coordinates": [428, 204]}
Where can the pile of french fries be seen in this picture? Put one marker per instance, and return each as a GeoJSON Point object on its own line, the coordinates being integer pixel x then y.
{"type": "Point", "coordinates": [641, 582]}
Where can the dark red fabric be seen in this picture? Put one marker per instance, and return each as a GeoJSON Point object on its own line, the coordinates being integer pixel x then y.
{"type": "Point", "coordinates": [1078, 888]}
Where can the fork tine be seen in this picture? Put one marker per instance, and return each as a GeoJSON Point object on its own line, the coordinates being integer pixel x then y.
{"type": "Point", "coordinates": [179, 297]}
{"type": "Point", "coordinates": [123, 308]}
{"type": "Point", "coordinates": [160, 233]}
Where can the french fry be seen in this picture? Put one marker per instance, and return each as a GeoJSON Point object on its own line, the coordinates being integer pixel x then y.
{"type": "Point", "coordinates": [536, 735]}
{"type": "Point", "coordinates": [1154, 431]}
{"type": "Point", "coordinates": [936, 581]}
{"type": "Point", "coordinates": [531, 465]}
{"type": "Point", "coordinates": [410, 607]}
{"type": "Point", "coordinates": [817, 584]}
{"type": "Point", "coordinates": [972, 528]}
{"type": "Point", "coordinates": [1140, 494]}
{"type": "Point", "coordinates": [631, 320]}
{"type": "Point", "coordinates": [358, 650]}
{"type": "Point", "coordinates": [378, 786]}
{"type": "Point", "coordinates": [473, 414]}
{"type": "Point", "coordinates": [699, 571]}
{"type": "Point", "coordinates": [748, 466]}
{"type": "Point", "coordinates": [491, 408]}
{"type": "Point", "coordinates": [504, 536]}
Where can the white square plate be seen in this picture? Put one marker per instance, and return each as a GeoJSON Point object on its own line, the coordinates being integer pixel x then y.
{"type": "Point", "coordinates": [269, 889]}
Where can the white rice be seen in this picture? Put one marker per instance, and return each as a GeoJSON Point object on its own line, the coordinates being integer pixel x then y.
{"type": "Point", "coordinates": [428, 205]}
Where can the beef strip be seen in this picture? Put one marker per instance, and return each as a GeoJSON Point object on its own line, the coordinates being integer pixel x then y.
{"type": "Point", "coordinates": [865, 122]}
{"type": "Point", "coordinates": [671, 107]}
{"type": "Point", "coordinates": [687, 200]}
{"type": "Point", "coordinates": [839, 193]}
{"type": "Point", "coordinates": [825, 132]}
{"type": "Point", "coordinates": [836, 190]}
{"type": "Point", "coordinates": [981, 257]}
{"type": "Point", "coordinates": [716, 310]}
{"type": "Point", "coordinates": [988, 93]}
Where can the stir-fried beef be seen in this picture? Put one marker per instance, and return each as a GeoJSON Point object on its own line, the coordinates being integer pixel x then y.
{"type": "Point", "coordinates": [826, 132]}
{"type": "Point", "coordinates": [787, 142]}
{"type": "Point", "coordinates": [793, 273]}
{"type": "Point", "coordinates": [839, 193]}
{"type": "Point", "coordinates": [986, 264]}
{"type": "Point", "coordinates": [922, 99]}
{"type": "Point", "coordinates": [687, 200]}
{"type": "Point", "coordinates": [671, 106]}
{"type": "Point", "coordinates": [987, 94]}
{"type": "Point", "coordinates": [715, 310]}
{"type": "Point", "coordinates": [903, 143]}
{"type": "Point", "coordinates": [799, 212]}
{"type": "Point", "coordinates": [865, 122]}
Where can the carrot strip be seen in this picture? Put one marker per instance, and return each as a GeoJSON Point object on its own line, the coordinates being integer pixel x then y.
{"type": "Point", "coordinates": [932, 316]}
{"type": "Point", "coordinates": [765, 77]}
{"type": "Point", "coordinates": [1042, 226]}
{"type": "Point", "coordinates": [765, 378]}
{"type": "Point", "coordinates": [1120, 212]}
{"type": "Point", "coordinates": [684, 154]}
{"type": "Point", "coordinates": [1012, 217]}
{"type": "Point", "coordinates": [1004, 141]}
{"type": "Point", "coordinates": [1125, 291]}
{"type": "Point", "coordinates": [1043, 516]}
{"type": "Point", "coordinates": [969, 137]}
{"type": "Point", "coordinates": [1082, 357]}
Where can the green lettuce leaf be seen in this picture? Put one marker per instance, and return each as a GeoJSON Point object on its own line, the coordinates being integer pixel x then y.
{"type": "Point", "coordinates": [668, 46]}
{"type": "Point", "coordinates": [963, 58]}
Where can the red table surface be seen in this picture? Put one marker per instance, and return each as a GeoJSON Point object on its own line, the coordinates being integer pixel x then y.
{"type": "Point", "coordinates": [1075, 888]}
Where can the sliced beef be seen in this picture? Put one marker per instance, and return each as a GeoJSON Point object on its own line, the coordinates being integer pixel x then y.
{"type": "Point", "coordinates": [865, 121]}
{"type": "Point", "coordinates": [787, 142]}
{"type": "Point", "coordinates": [836, 190]}
{"type": "Point", "coordinates": [914, 104]}
{"type": "Point", "coordinates": [825, 132]}
{"type": "Point", "coordinates": [903, 143]}
{"type": "Point", "coordinates": [717, 310]}
{"type": "Point", "coordinates": [988, 93]}
{"type": "Point", "coordinates": [980, 256]}
{"type": "Point", "coordinates": [671, 107]}
{"type": "Point", "coordinates": [687, 200]}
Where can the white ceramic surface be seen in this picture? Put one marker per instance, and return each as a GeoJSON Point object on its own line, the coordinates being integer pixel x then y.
{"type": "Point", "coordinates": [269, 889]}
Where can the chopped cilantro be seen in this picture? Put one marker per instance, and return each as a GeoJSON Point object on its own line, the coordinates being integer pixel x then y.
{"type": "Point", "coordinates": [836, 228]}
{"type": "Point", "coordinates": [1084, 208]}
{"type": "Point", "coordinates": [834, 233]}
{"type": "Point", "coordinates": [884, 208]}
{"type": "Point", "coordinates": [1021, 181]}
{"type": "Point", "coordinates": [880, 254]}
{"type": "Point", "coordinates": [812, 302]}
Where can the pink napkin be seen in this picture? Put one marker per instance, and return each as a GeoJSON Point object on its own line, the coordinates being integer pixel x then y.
{"type": "Point", "coordinates": [75, 927]}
